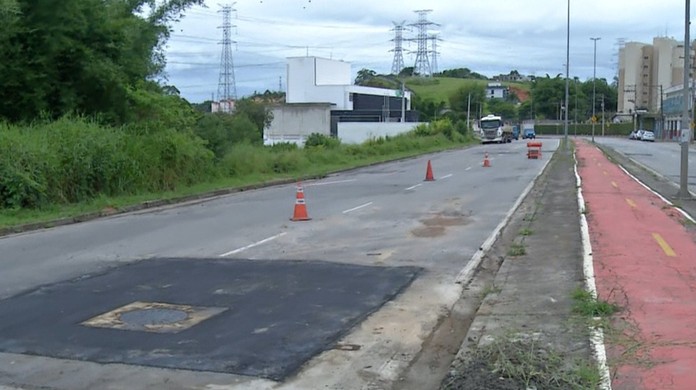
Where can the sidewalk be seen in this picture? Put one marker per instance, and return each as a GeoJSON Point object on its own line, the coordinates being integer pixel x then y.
{"type": "Point", "coordinates": [645, 262]}
{"type": "Point", "coordinates": [526, 316]}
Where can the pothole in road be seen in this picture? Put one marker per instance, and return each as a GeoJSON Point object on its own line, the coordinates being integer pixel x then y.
{"type": "Point", "coordinates": [436, 225]}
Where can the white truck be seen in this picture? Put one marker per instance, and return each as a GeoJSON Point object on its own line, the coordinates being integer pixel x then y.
{"type": "Point", "coordinates": [494, 129]}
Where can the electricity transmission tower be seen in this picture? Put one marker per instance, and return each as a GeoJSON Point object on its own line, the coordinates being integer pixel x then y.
{"type": "Point", "coordinates": [422, 65]}
{"type": "Point", "coordinates": [398, 62]}
{"type": "Point", "coordinates": [227, 88]}
{"type": "Point", "coordinates": [433, 52]}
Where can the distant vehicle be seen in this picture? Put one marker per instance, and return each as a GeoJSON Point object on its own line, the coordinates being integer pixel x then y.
{"type": "Point", "coordinates": [494, 130]}
{"type": "Point", "coordinates": [528, 131]}
{"type": "Point", "coordinates": [639, 134]}
{"type": "Point", "coordinates": [516, 132]}
{"type": "Point", "coordinates": [633, 135]}
{"type": "Point", "coordinates": [648, 136]}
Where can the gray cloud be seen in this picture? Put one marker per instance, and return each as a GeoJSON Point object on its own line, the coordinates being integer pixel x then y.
{"type": "Point", "coordinates": [490, 37]}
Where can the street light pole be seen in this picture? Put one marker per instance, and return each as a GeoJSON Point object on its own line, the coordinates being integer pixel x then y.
{"type": "Point", "coordinates": [594, 88]}
{"type": "Point", "coordinates": [686, 122]}
{"type": "Point", "coordinates": [567, 64]}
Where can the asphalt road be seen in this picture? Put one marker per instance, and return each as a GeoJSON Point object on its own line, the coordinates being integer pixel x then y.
{"type": "Point", "coordinates": [384, 218]}
{"type": "Point", "coordinates": [661, 157]}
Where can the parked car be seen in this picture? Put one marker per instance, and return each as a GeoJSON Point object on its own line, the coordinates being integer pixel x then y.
{"type": "Point", "coordinates": [639, 135]}
{"type": "Point", "coordinates": [648, 136]}
{"type": "Point", "coordinates": [633, 135]}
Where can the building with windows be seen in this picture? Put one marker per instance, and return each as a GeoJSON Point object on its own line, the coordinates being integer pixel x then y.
{"type": "Point", "coordinates": [646, 71]}
{"type": "Point", "coordinates": [320, 98]}
{"type": "Point", "coordinates": [496, 91]}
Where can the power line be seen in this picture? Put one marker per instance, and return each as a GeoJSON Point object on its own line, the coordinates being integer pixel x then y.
{"type": "Point", "coordinates": [227, 89]}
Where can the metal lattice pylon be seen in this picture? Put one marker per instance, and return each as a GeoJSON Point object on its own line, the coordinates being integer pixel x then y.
{"type": "Point", "coordinates": [434, 53]}
{"type": "Point", "coordinates": [422, 66]}
{"type": "Point", "coordinates": [227, 88]}
{"type": "Point", "coordinates": [398, 62]}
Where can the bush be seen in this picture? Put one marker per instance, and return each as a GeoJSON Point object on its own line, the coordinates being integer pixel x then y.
{"type": "Point", "coordinates": [321, 140]}
{"type": "Point", "coordinates": [75, 160]}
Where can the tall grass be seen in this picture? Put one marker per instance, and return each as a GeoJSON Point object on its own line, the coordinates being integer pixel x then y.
{"type": "Point", "coordinates": [74, 160]}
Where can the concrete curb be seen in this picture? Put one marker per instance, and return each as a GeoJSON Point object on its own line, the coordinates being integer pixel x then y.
{"type": "Point", "coordinates": [142, 206]}
{"type": "Point", "coordinates": [5, 231]}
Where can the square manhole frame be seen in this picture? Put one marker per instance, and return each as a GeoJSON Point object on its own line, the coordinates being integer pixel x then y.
{"type": "Point", "coordinates": [194, 316]}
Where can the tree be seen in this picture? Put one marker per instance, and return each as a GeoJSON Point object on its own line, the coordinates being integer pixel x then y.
{"type": "Point", "coordinates": [407, 71]}
{"type": "Point", "coordinates": [364, 76]}
{"type": "Point", "coordinates": [81, 56]}
{"type": "Point", "coordinates": [502, 108]}
{"type": "Point", "coordinates": [548, 94]}
{"type": "Point", "coordinates": [428, 108]}
{"type": "Point", "coordinates": [459, 100]}
{"type": "Point", "coordinates": [462, 73]}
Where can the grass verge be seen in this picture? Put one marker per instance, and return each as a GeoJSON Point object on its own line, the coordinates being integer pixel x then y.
{"type": "Point", "coordinates": [520, 361]}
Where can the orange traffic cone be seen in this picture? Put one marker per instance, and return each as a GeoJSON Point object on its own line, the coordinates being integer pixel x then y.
{"type": "Point", "coordinates": [429, 173]}
{"type": "Point", "coordinates": [300, 213]}
{"type": "Point", "coordinates": [486, 161]}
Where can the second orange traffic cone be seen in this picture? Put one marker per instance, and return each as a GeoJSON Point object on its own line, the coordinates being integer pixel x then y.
{"type": "Point", "coordinates": [429, 173]}
{"type": "Point", "coordinates": [300, 213]}
{"type": "Point", "coordinates": [486, 161]}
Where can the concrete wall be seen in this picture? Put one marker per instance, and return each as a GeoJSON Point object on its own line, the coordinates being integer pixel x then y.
{"type": "Point", "coordinates": [294, 122]}
{"type": "Point", "coordinates": [359, 132]}
{"type": "Point", "coordinates": [318, 80]}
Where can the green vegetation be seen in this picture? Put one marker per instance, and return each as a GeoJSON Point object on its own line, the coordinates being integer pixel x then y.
{"type": "Point", "coordinates": [526, 232]}
{"type": "Point", "coordinates": [517, 249]}
{"type": "Point", "coordinates": [589, 306]}
{"type": "Point", "coordinates": [73, 166]}
{"type": "Point", "coordinates": [518, 361]}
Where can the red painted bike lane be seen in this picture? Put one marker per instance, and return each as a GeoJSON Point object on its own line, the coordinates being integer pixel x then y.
{"type": "Point", "coordinates": [645, 261]}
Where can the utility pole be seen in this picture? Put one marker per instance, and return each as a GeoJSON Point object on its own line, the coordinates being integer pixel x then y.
{"type": "Point", "coordinates": [403, 102]}
{"type": "Point", "coordinates": [468, 112]}
{"type": "Point", "coordinates": [686, 122]}
{"type": "Point", "coordinates": [594, 87]}
{"type": "Point", "coordinates": [398, 62]}
{"type": "Point", "coordinates": [602, 115]}
{"type": "Point", "coordinates": [565, 121]}
{"type": "Point", "coordinates": [227, 89]}
{"type": "Point", "coordinates": [575, 124]}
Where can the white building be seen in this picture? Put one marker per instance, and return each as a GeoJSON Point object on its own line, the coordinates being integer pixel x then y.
{"type": "Point", "coordinates": [646, 71]}
{"type": "Point", "coordinates": [496, 91]}
{"type": "Point", "coordinates": [320, 98]}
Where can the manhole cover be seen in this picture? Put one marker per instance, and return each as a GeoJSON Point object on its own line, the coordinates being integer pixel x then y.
{"type": "Point", "coordinates": [149, 317]}
{"type": "Point", "coordinates": [153, 317]}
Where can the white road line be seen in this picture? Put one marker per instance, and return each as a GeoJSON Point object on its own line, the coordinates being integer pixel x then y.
{"type": "Point", "coordinates": [265, 240]}
{"type": "Point", "coordinates": [596, 333]}
{"type": "Point", "coordinates": [683, 212]}
{"type": "Point", "coordinates": [413, 187]}
{"type": "Point", "coordinates": [468, 168]}
{"type": "Point", "coordinates": [446, 176]}
{"type": "Point", "coordinates": [357, 208]}
{"type": "Point", "coordinates": [329, 182]}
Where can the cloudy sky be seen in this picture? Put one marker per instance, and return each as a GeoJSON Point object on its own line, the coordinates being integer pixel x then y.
{"type": "Point", "coordinates": [486, 36]}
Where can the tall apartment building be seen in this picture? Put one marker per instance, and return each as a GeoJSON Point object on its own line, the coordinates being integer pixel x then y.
{"type": "Point", "coordinates": [646, 71]}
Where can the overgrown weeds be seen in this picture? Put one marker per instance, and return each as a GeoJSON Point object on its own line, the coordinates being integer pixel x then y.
{"type": "Point", "coordinates": [517, 249]}
{"type": "Point", "coordinates": [589, 306]}
{"type": "Point", "coordinates": [521, 361]}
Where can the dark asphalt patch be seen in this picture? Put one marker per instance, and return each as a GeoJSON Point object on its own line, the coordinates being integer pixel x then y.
{"type": "Point", "coordinates": [269, 316]}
